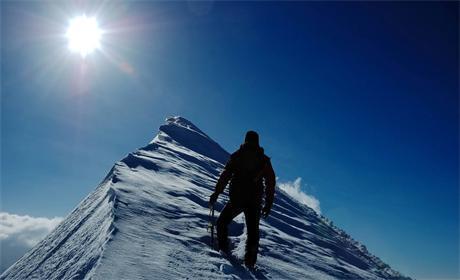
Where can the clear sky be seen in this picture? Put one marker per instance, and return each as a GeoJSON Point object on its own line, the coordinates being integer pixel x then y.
{"type": "Point", "coordinates": [358, 99]}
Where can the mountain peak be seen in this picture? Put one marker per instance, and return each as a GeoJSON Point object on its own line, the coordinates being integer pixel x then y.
{"type": "Point", "coordinates": [180, 131]}
{"type": "Point", "coordinates": [183, 122]}
{"type": "Point", "coordinates": [147, 219]}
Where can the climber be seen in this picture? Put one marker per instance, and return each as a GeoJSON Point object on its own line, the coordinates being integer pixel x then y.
{"type": "Point", "coordinates": [252, 181]}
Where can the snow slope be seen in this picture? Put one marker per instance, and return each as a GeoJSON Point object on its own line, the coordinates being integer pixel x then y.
{"type": "Point", "coordinates": [148, 220]}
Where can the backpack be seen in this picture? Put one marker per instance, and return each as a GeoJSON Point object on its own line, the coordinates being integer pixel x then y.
{"type": "Point", "coordinates": [246, 186]}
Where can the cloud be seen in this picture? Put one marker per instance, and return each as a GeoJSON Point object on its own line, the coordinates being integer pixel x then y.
{"type": "Point", "coordinates": [26, 229]}
{"type": "Point", "coordinates": [20, 233]}
{"type": "Point", "coordinates": [293, 190]}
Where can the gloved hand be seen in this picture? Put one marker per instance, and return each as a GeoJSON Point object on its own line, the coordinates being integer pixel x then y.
{"type": "Point", "coordinates": [266, 211]}
{"type": "Point", "coordinates": [213, 198]}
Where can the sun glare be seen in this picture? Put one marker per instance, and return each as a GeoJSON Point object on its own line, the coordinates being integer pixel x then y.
{"type": "Point", "coordinates": [84, 35]}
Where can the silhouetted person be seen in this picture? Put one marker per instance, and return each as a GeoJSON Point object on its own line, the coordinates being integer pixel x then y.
{"type": "Point", "coordinates": [247, 170]}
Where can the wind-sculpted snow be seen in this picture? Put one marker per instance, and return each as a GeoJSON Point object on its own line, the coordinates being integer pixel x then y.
{"type": "Point", "coordinates": [188, 135]}
{"type": "Point", "coordinates": [72, 250]}
{"type": "Point", "coordinates": [148, 220]}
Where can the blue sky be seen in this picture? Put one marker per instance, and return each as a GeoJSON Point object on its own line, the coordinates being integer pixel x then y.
{"type": "Point", "coordinates": [359, 99]}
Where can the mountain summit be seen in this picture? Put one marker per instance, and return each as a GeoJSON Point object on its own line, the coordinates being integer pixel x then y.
{"type": "Point", "coordinates": [148, 218]}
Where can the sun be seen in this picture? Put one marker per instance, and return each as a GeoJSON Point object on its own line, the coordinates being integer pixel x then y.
{"type": "Point", "coordinates": [84, 35]}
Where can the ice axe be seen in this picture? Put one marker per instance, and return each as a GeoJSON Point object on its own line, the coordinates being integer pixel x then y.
{"type": "Point", "coordinates": [211, 224]}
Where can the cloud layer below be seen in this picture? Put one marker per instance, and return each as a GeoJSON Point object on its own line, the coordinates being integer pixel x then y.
{"type": "Point", "coordinates": [20, 233]}
{"type": "Point", "coordinates": [293, 189]}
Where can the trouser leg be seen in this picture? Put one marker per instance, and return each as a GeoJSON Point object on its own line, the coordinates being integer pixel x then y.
{"type": "Point", "coordinates": [252, 215]}
{"type": "Point", "coordinates": [225, 218]}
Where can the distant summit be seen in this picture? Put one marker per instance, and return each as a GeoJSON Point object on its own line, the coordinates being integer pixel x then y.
{"type": "Point", "coordinates": [147, 220]}
{"type": "Point", "coordinates": [182, 122]}
{"type": "Point", "coordinates": [184, 132]}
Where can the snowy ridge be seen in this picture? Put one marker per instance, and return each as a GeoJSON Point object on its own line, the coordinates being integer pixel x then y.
{"type": "Point", "coordinates": [182, 132]}
{"type": "Point", "coordinates": [72, 249]}
{"type": "Point", "coordinates": [148, 220]}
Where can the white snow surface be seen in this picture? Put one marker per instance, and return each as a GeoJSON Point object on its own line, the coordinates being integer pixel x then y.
{"type": "Point", "coordinates": [148, 220]}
